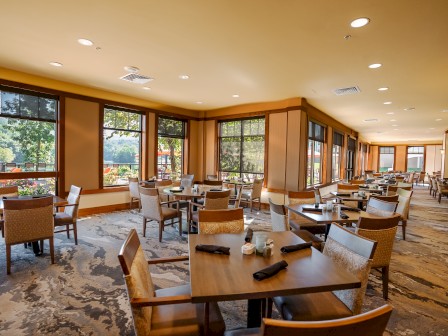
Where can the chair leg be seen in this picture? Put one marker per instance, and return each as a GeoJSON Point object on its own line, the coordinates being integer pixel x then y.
{"type": "Point", "coordinates": [180, 223]}
{"type": "Point", "coordinates": [161, 227]}
{"type": "Point", "coordinates": [403, 228]}
{"type": "Point", "coordinates": [440, 197]}
{"type": "Point", "coordinates": [67, 227]}
{"type": "Point", "coordinates": [144, 226]}
{"type": "Point", "coordinates": [75, 232]}
{"type": "Point", "coordinates": [250, 204]}
{"type": "Point", "coordinates": [8, 259]}
{"type": "Point", "coordinates": [52, 249]}
{"type": "Point", "coordinates": [41, 246]}
{"type": "Point", "coordinates": [385, 276]}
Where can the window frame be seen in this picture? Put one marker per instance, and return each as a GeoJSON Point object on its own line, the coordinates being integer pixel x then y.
{"type": "Point", "coordinates": [182, 136]}
{"type": "Point", "coordinates": [423, 153]}
{"type": "Point", "coordinates": [102, 136]}
{"type": "Point", "coordinates": [241, 172]}
{"type": "Point", "coordinates": [13, 177]}
{"type": "Point", "coordinates": [391, 150]}
{"type": "Point", "coordinates": [314, 138]}
{"type": "Point", "coordinates": [336, 156]}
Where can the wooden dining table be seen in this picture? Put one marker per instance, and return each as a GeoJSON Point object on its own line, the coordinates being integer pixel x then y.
{"type": "Point", "coordinates": [215, 277]}
{"type": "Point", "coordinates": [57, 201]}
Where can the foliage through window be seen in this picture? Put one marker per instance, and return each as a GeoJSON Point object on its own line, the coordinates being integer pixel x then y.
{"type": "Point", "coordinates": [316, 139]}
{"type": "Point", "coordinates": [415, 158]}
{"type": "Point", "coordinates": [241, 148]}
{"type": "Point", "coordinates": [170, 148]}
{"type": "Point", "coordinates": [121, 145]}
{"type": "Point", "coordinates": [386, 158]}
{"type": "Point", "coordinates": [28, 135]}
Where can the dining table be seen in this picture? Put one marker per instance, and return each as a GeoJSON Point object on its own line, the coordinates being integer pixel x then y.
{"type": "Point", "coordinates": [220, 277]}
{"type": "Point", "coordinates": [57, 201]}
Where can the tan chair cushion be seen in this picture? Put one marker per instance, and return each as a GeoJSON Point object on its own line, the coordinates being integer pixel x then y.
{"type": "Point", "coordinates": [311, 307]}
{"type": "Point", "coordinates": [188, 316]}
{"type": "Point", "coordinates": [169, 213]}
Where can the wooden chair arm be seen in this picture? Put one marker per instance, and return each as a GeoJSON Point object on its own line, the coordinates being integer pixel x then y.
{"type": "Point", "coordinates": [160, 301]}
{"type": "Point", "coordinates": [64, 205]}
{"type": "Point", "coordinates": [171, 202]}
{"type": "Point", "coordinates": [168, 259]}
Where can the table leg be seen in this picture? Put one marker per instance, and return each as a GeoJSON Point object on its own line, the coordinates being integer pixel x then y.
{"type": "Point", "coordinates": [254, 313]}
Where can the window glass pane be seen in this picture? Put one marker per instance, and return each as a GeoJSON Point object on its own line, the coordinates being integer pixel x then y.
{"type": "Point", "coordinates": [309, 164]}
{"type": "Point", "coordinates": [171, 127]}
{"type": "Point", "coordinates": [415, 159]}
{"type": "Point", "coordinates": [242, 156]}
{"type": "Point", "coordinates": [386, 162]}
{"type": "Point", "coordinates": [32, 186]}
{"type": "Point", "coordinates": [317, 167]}
{"type": "Point", "coordinates": [336, 162]}
{"type": "Point", "coordinates": [47, 108]}
{"type": "Point", "coordinates": [121, 146]}
{"type": "Point", "coordinates": [230, 150]}
{"type": "Point", "coordinates": [169, 158]}
{"type": "Point", "coordinates": [27, 145]}
{"type": "Point", "coordinates": [10, 103]}
{"type": "Point", "coordinates": [29, 106]}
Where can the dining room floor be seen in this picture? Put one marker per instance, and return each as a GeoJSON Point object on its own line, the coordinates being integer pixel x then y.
{"type": "Point", "coordinates": [84, 292]}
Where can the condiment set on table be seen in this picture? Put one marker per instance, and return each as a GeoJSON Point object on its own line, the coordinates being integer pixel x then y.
{"type": "Point", "coordinates": [263, 245]}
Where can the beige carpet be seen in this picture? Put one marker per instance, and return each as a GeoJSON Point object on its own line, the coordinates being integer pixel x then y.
{"type": "Point", "coordinates": [84, 293]}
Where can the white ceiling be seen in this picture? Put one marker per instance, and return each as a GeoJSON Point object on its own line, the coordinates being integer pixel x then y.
{"type": "Point", "coordinates": [262, 50]}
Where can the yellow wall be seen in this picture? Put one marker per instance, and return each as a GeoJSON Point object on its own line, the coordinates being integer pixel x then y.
{"type": "Point", "coordinates": [401, 158]}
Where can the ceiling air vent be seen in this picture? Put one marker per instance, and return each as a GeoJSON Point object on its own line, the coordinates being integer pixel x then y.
{"type": "Point", "coordinates": [136, 78]}
{"type": "Point", "coordinates": [347, 91]}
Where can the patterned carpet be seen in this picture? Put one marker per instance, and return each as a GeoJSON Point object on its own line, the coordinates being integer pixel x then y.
{"type": "Point", "coordinates": [84, 293]}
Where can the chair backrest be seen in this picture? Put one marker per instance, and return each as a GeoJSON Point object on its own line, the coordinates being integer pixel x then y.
{"type": "Point", "coordinates": [300, 197]}
{"type": "Point", "coordinates": [28, 219]}
{"type": "Point", "coordinates": [186, 180]}
{"type": "Point", "coordinates": [410, 178]}
{"type": "Point", "coordinates": [216, 200]}
{"type": "Point", "coordinates": [279, 218]}
{"type": "Point", "coordinates": [404, 185]}
{"type": "Point", "coordinates": [382, 230]}
{"type": "Point", "coordinates": [239, 193]}
{"type": "Point", "coordinates": [257, 187]}
{"type": "Point", "coordinates": [150, 200]}
{"type": "Point", "coordinates": [213, 183]}
{"type": "Point", "coordinates": [73, 198]}
{"type": "Point", "coordinates": [388, 198]}
{"type": "Point", "coordinates": [221, 221]}
{"type": "Point", "coordinates": [371, 323]}
{"type": "Point", "coordinates": [353, 253]}
{"type": "Point", "coordinates": [405, 192]}
{"type": "Point", "coordinates": [138, 280]}
{"type": "Point", "coordinates": [133, 187]}
{"type": "Point", "coordinates": [381, 208]}
{"type": "Point", "coordinates": [354, 182]}
{"type": "Point", "coordinates": [10, 191]}
{"type": "Point", "coordinates": [347, 187]}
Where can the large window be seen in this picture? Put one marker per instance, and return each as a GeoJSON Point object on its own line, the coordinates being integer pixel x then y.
{"type": "Point", "coordinates": [241, 148]}
{"type": "Point", "coordinates": [338, 142]}
{"type": "Point", "coordinates": [316, 139]}
{"type": "Point", "coordinates": [386, 159]}
{"type": "Point", "coordinates": [170, 148]}
{"type": "Point", "coordinates": [122, 145]}
{"type": "Point", "coordinates": [416, 156]}
{"type": "Point", "coordinates": [28, 139]}
{"type": "Point", "coordinates": [350, 161]}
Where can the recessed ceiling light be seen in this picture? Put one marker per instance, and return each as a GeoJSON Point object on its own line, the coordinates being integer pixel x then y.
{"type": "Point", "coordinates": [361, 22]}
{"type": "Point", "coordinates": [439, 119]}
{"type": "Point", "coordinates": [236, 96]}
{"type": "Point", "coordinates": [131, 69]}
{"type": "Point", "coordinates": [387, 103]}
{"type": "Point", "coordinates": [146, 88]}
{"type": "Point", "coordinates": [375, 65]}
{"type": "Point", "coordinates": [370, 120]}
{"type": "Point", "coordinates": [56, 64]}
{"type": "Point", "coordinates": [409, 108]}
{"type": "Point", "coordinates": [393, 120]}
{"type": "Point", "coordinates": [85, 42]}
{"type": "Point", "coordinates": [445, 110]}
{"type": "Point", "coordinates": [383, 89]}
{"type": "Point", "coordinates": [394, 125]}
{"type": "Point", "coordinates": [390, 113]}
{"type": "Point", "coordinates": [395, 129]}
{"type": "Point", "coordinates": [184, 76]}
{"type": "Point", "coordinates": [199, 102]}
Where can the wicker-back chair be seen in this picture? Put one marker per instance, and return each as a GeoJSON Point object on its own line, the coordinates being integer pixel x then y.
{"type": "Point", "coordinates": [213, 200]}
{"type": "Point", "coordinates": [252, 194]}
{"type": "Point", "coordinates": [10, 191]}
{"type": "Point", "coordinates": [221, 221]}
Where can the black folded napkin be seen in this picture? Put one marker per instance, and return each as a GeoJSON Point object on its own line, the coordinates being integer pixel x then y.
{"type": "Point", "coordinates": [215, 189]}
{"type": "Point", "coordinates": [311, 209]}
{"type": "Point", "coordinates": [347, 208]}
{"type": "Point", "coordinates": [343, 215]}
{"type": "Point", "coordinates": [249, 235]}
{"type": "Point", "coordinates": [213, 249]}
{"type": "Point", "coordinates": [296, 247]}
{"type": "Point", "coordinates": [270, 271]}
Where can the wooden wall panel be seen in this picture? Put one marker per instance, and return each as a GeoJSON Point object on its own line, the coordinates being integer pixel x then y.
{"type": "Point", "coordinates": [81, 144]}
{"type": "Point", "coordinates": [151, 154]}
{"type": "Point", "coordinates": [196, 149]}
{"type": "Point", "coordinates": [373, 158]}
{"type": "Point", "coordinates": [277, 150]}
{"type": "Point", "coordinates": [401, 156]}
{"type": "Point", "coordinates": [211, 150]}
{"type": "Point", "coordinates": [293, 150]}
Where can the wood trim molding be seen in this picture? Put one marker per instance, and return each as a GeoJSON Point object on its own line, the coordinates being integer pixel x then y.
{"type": "Point", "coordinates": [60, 147]}
{"type": "Point", "coordinates": [26, 175]}
{"type": "Point", "coordinates": [101, 145]}
{"type": "Point", "coordinates": [105, 190]}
